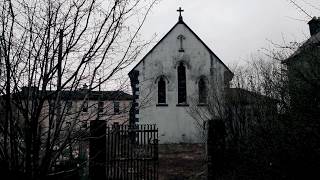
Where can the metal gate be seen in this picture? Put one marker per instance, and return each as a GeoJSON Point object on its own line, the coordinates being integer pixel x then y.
{"type": "Point", "coordinates": [132, 152]}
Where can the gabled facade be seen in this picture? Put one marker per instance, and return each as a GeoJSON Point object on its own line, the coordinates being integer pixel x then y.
{"type": "Point", "coordinates": [180, 69]}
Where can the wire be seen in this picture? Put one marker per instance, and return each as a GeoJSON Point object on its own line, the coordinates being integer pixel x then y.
{"type": "Point", "coordinates": [300, 8]}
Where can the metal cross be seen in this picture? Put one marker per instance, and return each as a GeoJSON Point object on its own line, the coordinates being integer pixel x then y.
{"type": "Point", "coordinates": [180, 11]}
{"type": "Point", "coordinates": [180, 16]}
{"type": "Point", "coordinates": [181, 38]}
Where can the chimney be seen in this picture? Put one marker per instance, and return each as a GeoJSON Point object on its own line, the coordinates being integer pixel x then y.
{"type": "Point", "coordinates": [314, 25]}
{"type": "Point", "coordinates": [85, 87]}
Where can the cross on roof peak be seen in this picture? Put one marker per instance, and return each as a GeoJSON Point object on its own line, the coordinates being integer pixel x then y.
{"type": "Point", "coordinates": [180, 10]}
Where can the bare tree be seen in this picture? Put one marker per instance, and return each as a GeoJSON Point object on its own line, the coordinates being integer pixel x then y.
{"type": "Point", "coordinates": [257, 80]}
{"type": "Point", "coordinates": [48, 48]}
{"type": "Point", "coordinates": [258, 133]}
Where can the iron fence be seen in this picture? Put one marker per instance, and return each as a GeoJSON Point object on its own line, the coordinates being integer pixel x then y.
{"type": "Point", "coordinates": [132, 152]}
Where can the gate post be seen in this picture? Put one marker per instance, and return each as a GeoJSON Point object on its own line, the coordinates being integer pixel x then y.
{"type": "Point", "coordinates": [97, 150]}
{"type": "Point", "coordinates": [215, 147]}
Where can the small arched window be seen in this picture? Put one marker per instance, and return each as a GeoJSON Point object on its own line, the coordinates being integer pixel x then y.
{"type": "Point", "coordinates": [182, 87]}
{"type": "Point", "coordinates": [203, 91]}
{"type": "Point", "coordinates": [161, 91]}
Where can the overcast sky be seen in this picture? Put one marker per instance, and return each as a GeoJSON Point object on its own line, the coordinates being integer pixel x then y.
{"type": "Point", "coordinates": [234, 29]}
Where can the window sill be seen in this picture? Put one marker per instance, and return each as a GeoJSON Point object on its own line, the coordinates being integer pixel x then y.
{"type": "Point", "coordinates": [202, 104]}
{"type": "Point", "coordinates": [163, 105]}
{"type": "Point", "coordinates": [182, 105]}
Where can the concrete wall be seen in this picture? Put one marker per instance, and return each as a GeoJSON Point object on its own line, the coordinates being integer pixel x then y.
{"type": "Point", "coordinates": [174, 123]}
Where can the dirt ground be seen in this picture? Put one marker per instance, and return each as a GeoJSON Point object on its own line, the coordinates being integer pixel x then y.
{"type": "Point", "coordinates": [182, 161]}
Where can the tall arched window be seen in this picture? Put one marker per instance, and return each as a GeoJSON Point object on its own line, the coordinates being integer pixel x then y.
{"type": "Point", "coordinates": [161, 91]}
{"type": "Point", "coordinates": [182, 87]}
{"type": "Point", "coordinates": [203, 92]}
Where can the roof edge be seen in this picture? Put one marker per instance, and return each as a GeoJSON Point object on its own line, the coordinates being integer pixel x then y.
{"type": "Point", "coordinates": [149, 52]}
{"type": "Point", "coordinates": [199, 39]}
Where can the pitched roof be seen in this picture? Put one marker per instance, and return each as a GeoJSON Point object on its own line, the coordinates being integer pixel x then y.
{"type": "Point", "coordinates": [79, 95]}
{"type": "Point", "coordinates": [313, 41]}
{"type": "Point", "coordinates": [238, 95]}
{"type": "Point", "coordinates": [182, 22]}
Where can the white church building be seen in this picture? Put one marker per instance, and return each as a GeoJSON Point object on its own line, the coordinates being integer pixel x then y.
{"type": "Point", "coordinates": [179, 69]}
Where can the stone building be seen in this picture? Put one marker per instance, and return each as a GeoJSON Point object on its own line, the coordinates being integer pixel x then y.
{"type": "Point", "coordinates": [304, 73]}
{"type": "Point", "coordinates": [179, 70]}
{"type": "Point", "coordinates": [78, 106]}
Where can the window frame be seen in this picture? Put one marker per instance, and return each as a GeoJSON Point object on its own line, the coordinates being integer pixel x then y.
{"type": "Point", "coordinates": [162, 99]}
{"type": "Point", "coordinates": [202, 91]}
{"type": "Point", "coordinates": [114, 107]}
{"type": "Point", "coordinates": [100, 106]}
{"type": "Point", "coordinates": [182, 84]}
{"type": "Point", "coordinates": [85, 106]}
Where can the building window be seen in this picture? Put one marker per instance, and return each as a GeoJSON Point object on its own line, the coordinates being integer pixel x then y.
{"type": "Point", "coordinates": [161, 91]}
{"type": "Point", "coordinates": [203, 91]}
{"type": "Point", "coordinates": [100, 106]}
{"type": "Point", "coordinates": [84, 125]}
{"type": "Point", "coordinates": [68, 107]}
{"type": "Point", "coordinates": [85, 106]}
{"type": "Point", "coordinates": [116, 107]}
{"type": "Point", "coordinates": [116, 125]}
{"type": "Point", "coordinates": [182, 87]}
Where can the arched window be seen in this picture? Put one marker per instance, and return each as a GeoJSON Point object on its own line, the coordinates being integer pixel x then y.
{"type": "Point", "coordinates": [161, 91]}
{"type": "Point", "coordinates": [203, 91]}
{"type": "Point", "coordinates": [182, 87]}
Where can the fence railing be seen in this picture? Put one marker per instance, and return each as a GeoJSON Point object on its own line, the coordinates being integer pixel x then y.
{"type": "Point", "coordinates": [132, 152]}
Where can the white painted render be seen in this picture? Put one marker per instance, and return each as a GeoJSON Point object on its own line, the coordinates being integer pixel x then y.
{"type": "Point", "coordinates": [174, 122]}
{"type": "Point", "coordinates": [76, 116]}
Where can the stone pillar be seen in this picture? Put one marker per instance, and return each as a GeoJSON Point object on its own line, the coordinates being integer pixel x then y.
{"type": "Point", "coordinates": [97, 150]}
{"type": "Point", "coordinates": [134, 111]}
{"type": "Point", "coordinates": [215, 148]}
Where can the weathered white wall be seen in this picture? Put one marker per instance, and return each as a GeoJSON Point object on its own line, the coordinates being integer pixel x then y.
{"type": "Point", "coordinates": [174, 122]}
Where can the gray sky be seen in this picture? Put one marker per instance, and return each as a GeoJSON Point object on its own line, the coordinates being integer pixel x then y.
{"type": "Point", "coordinates": [234, 29]}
